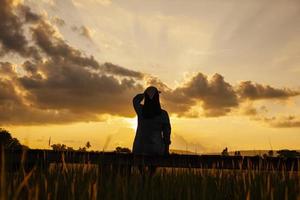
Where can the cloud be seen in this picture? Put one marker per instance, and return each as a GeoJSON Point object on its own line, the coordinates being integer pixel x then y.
{"type": "Point", "coordinates": [58, 83]}
{"type": "Point", "coordinates": [79, 3]}
{"type": "Point", "coordinates": [83, 31]}
{"type": "Point", "coordinates": [76, 82]}
{"type": "Point", "coordinates": [8, 93]}
{"type": "Point", "coordinates": [30, 68]}
{"type": "Point", "coordinates": [64, 85]}
{"type": "Point", "coordinates": [59, 99]}
{"type": "Point", "coordinates": [69, 86]}
{"type": "Point", "coordinates": [58, 21]}
{"type": "Point", "coordinates": [250, 111]}
{"type": "Point", "coordinates": [174, 101]}
{"type": "Point", "coordinates": [16, 110]}
{"type": "Point", "coordinates": [12, 38]}
{"type": "Point", "coordinates": [118, 70]}
{"type": "Point", "coordinates": [45, 37]}
{"type": "Point", "coordinates": [29, 16]}
{"type": "Point", "coordinates": [255, 91]}
{"type": "Point", "coordinates": [216, 96]}
{"type": "Point", "coordinates": [6, 70]}
{"type": "Point", "coordinates": [283, 121]}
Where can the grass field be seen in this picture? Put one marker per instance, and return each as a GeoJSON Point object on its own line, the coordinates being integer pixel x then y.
{"type": "Point", "coordinates": [86, 181]}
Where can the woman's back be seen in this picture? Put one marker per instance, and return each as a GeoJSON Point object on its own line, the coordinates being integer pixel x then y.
{"type": "Point", "coordinates": [152, 134]}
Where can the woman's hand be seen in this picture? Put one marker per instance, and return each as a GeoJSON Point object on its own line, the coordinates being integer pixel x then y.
{"type": "Point", "coordinates": [141, 95]}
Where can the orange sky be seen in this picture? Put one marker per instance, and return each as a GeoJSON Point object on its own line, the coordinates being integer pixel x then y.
{"type": "Point", "coordinates": [228, 71]}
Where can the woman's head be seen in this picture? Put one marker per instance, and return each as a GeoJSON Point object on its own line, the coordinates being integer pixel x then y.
{"type": "Point", "coordinates": [151, 106]}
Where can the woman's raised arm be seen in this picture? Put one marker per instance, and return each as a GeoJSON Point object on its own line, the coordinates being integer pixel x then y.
{"type": "Point", "coordinates": [137, 103]}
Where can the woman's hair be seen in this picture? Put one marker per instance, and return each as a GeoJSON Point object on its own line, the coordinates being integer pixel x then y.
{"type": "Point", "coordinates": [151, 107]}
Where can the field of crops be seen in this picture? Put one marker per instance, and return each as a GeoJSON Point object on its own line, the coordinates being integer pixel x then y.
{"type": "Point", "coordinates": [86, 181]}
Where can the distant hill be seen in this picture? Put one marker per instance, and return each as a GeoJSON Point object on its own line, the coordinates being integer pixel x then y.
{"type": "Point", "coordinates": [253, 152]}
{"type": "Point", "coordinates": [250, 152]}
{"type": "Point", "coordinates": [231, 153]}
{"type": "Point", "coordinates": [178, 151]}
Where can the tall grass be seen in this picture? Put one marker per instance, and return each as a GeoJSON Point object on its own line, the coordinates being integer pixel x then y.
{"type": "Point", "coordinates": [86, 181]}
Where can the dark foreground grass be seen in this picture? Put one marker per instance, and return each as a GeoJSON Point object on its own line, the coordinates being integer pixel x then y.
{"type": "Point", "coordinates": [90, 182]}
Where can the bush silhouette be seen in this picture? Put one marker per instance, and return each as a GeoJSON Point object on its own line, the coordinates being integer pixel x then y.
{"type": "Point", "coordinates": [122, 150]}
{"type": "Point", "coordinates": [225, 152]}
{"type": "Point", "coordinates": [285, 153]}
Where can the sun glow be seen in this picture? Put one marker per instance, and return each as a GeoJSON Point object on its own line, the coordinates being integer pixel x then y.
{"type": "Point", "coordinates": [132, 122]}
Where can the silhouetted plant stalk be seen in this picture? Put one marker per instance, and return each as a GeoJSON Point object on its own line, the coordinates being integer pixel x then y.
{"type": "Point", "coordinates": [89, 181]}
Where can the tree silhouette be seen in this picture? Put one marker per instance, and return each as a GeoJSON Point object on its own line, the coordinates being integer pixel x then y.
{"type": "Point", "coordinates": [61, 147]}
{"type": "Point", "coordinates": [8, 142]}
{"type": "Point", "coordinates": [271, 153]}
{"type": "Point", "coordinates": [88, 145]}
{"type": "Point", "coordinates": [225, 152]}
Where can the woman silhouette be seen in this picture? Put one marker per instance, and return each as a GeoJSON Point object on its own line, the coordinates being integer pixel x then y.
{"type": "Point", "coordinates": [154, 129]}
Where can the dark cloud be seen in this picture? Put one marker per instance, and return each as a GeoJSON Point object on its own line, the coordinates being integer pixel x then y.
{"type": "Point", "coordinates": [29, 16]}
{"type": "Point", "coordinates": [254, 91]}
{"type": "Point", "coordinates": [56, 48]}
{"type": "Point", "coordinates": [8, 93]}
{"type": "Point", "coordinates": [16, 110]}
{"type": "Point", "coordinates": [175, 101]}
{"type": "Point", "coordinates": [66, 85]}
{"type": "Point", "coordinates": [30, 67]}
{"type": "Point", "coordinates": [118, 70]}
{"type": "Point", "coordinates": [216, 96]}
{"type": "Point", "coordinates": [58, 83]}
{"type": "Point", "coordinates": [62, 100]}
{"type": "Point", "coordinates": [12, 38]}
{"type": "Point", "coordinates": [6, 69]}
{"type": "Point", "coordinates": [11, 32]}
{"type": "Point", "coordinates": [69, 86]}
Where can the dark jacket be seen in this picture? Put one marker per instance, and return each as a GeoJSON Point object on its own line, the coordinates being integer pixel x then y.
{"type": "Point", "coordinates": [152, 135]}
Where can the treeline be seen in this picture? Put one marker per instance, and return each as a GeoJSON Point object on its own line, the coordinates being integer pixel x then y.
{"type": "Point", "coordinates": [284, 153]}
{"type": "Point", "coordinates": [63, 147]}
{"type": "Point", "coordinates": [10, 143]}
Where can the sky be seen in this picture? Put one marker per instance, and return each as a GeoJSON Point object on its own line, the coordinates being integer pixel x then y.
{"type": "Point", "coordinates": [228, 71]}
